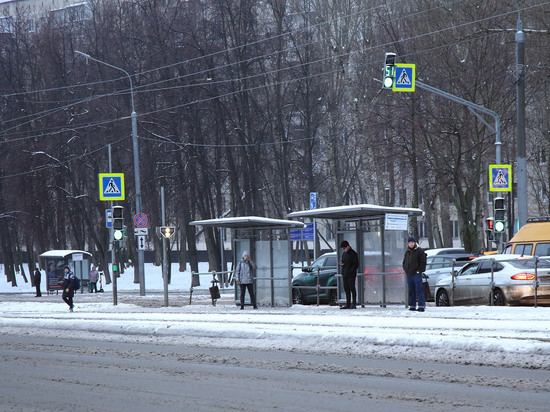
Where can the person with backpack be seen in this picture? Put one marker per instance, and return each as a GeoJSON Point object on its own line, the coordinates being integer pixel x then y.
{"type": "Point", "coordinates": [244, 276]}
{"type": "Point", "coordinates": [68, 285]}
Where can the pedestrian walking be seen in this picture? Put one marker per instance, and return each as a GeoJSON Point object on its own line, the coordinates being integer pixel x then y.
{"type": "Point", "coordinates": [37, 280]}
{"type": "Point", "coordinates": [349, 264]}
{"type": "Point", "coordinates": [93, 278]}
{"type": "Point", "coordinates": [244, 276]}
{"type": "Point", "coordinates": [414, 264]}
{"type": "Point", "coordinates": [68, 287]}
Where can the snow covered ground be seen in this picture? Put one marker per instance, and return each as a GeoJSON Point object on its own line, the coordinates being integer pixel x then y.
{"type": "Point", "coordinates": [483, 335]}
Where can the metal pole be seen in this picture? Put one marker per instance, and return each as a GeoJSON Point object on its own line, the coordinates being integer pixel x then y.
{"type": "Point", "coordinates": [141, 254]}
{"type": "Point", "coordinates": [115, 299]}
{"type": "Point", "coordinates": [520, 116]}
{"type": "Point", "coordinates": [164, 250]}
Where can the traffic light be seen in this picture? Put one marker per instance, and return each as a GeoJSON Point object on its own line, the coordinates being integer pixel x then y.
{"type": "Point", "coordinates": [500, 214]}
{"type": "Point", "coordinates": [389, 71]}
{"type": "Point", "coordinates": [489, 227]}
{"type": "Point", "coordinates": [118, 222]}
{"type": "Point", "coordinates": [167, 231]}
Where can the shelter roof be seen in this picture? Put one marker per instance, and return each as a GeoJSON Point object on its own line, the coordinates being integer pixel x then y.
{"type": "Point", "coordinates": [355, 212]}
{"type": "Point", "coordinates": [249, 222]}
{"type": "Point", "coordinates": [62, 253]}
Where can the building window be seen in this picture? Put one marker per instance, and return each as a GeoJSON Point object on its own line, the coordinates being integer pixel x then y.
{"type": "Point", "coordinates": [387, 197]}
{"type": "Point", "coordinates": [403, 197]}
{"type": "Point", "coordinates": [420, 196]}
{"type": "Point", "coordinates": [456, 234]}
{"type": "Point", "coordinates": [421, 229]}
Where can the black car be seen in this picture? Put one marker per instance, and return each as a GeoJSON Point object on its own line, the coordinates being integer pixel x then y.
{"type": "Point", "coordinates": [304, 285]}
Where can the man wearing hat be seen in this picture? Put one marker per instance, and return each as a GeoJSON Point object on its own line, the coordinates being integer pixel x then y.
{"type": "Point", "coordinates": [414, 264]}
{"type": "Point", "coordinates": [67, 285]}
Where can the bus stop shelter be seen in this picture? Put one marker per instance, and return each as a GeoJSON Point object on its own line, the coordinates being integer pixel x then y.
{"type": "Point", "coordinates": [379, 236]}
{"type": "Point", "coordinates": [54, 261]}
{"type": "Point", "coordinates": [268, 243]}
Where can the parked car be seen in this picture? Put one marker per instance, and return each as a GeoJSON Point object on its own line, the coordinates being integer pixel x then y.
{"type": "Point", "coordinates": [304, 285]}
{"type": "Point", "coordinates": [444, 251]}
{"type": "Point", "coordinates": [441, 266]}
{"type": "Point", "coordinates": [532, 238]}
{"type": "Point", "coordinates": [513, 275]}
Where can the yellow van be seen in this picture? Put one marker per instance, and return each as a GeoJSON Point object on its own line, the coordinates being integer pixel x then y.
{"type": "Point", "coordinates": [531, 239]}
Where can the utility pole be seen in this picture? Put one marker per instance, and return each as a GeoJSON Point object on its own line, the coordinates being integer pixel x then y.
{"type": "Point", "coordinates": [520, 120]}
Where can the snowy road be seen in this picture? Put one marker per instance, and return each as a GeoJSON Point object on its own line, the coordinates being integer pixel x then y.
{"type": "Point", "coordinates": [199, 357]}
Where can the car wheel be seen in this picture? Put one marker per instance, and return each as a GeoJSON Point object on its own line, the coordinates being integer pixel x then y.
{"type": "Point", "coordinates": [442, 298]}
{"type": "Point", "coordinates": [333, 298]}
{"type": "Point", "coordinates": [498, 298]}
{"type": "Point", "coordinates": [297, 297]}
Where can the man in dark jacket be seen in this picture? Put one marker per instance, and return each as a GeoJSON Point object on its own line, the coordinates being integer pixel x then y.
{"type": "Point", "coordinates": [68, 288]}
{"type": "Point", "coordinates": [350, 264]}
{"type": "Point", "coordinates": [414, 264]}
{"type": "Point", "coordinates": [37, 280]}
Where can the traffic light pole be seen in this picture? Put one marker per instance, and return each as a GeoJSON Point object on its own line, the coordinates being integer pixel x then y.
{"type": "Point", "coordinates": [475, 109]}
{"type": "Point", "coordinates": [112, 240]}
{"type": "Point", "coordinates": [164, 250]}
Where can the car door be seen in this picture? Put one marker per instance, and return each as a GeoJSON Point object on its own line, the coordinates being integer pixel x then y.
{"type": "Point", "coordinates": [463, 283]}
{"type": "Point", "coordinates": [479, 284]}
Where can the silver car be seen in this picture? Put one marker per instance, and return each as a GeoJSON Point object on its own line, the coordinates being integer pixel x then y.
{"type": "Point", "coordinates": [513, 278]}
{"type": "Point", "coordinates": [442, 266]}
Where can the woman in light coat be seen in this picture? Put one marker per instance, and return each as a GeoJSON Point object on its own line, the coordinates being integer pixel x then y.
{"type": "Point", "coordinates": [244, 276]}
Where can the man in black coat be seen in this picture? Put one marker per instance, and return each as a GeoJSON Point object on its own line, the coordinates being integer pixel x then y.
{"type": "Point", "coordinates": [350, 264]}
{"type": "Point", "coordinates": [68, 284]}
{"type": "Point", "coordinates": [414, 264]}
{"type": "Point", "coordinates": [37, 280]}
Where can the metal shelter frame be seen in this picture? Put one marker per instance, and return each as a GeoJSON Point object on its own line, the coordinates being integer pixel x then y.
{"type": "Point", "coordinates": [355, 223]}
{"type": "Point", "coordinates": [274, 235]}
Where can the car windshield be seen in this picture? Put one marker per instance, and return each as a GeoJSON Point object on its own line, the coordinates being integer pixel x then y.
{"type": "Point", "coordinates": [318, 263]}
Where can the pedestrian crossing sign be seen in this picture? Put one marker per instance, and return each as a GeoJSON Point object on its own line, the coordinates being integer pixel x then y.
{"type": "Point", "coordinates": [500, 178]}
{"type": "Point", "coordinates": [404, 78]}
{"type": "Point", "coordinates": [111, 186]}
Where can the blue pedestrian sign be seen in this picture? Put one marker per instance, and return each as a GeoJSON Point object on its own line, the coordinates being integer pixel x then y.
{"type": "Point", "coordinates": [500, 178]}
{"type": "Point", "coordinates": [111, 186]}
{"type": "Point", "coordinates": [313, 200]}
{"type": "Point", "coordinates": [404, 78]}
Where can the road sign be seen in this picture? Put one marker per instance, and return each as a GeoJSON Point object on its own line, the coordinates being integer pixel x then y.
{"type": "Point", "coordinates": [313, 200]}
{"type": "Point", "coordinates": [404, 78]}
{"type": "Point", "coordinates": [141, 231]}
{"type": "Point", "coordinates": [141, 242]}
{"type": "Point", "coordinates": [307, 233]}
{"type": "Point", "coordinates": [108, 218]}
{"type": "Point", "coordinates": [111, 186]}
{"type": "Point", "coordinates": [140, 220]}
{"type": "Point", "coordinates": [500, 178]}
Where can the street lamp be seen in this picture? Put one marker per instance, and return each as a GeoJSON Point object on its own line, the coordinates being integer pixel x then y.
{"type": "Point", "coordinates": [141, 254]}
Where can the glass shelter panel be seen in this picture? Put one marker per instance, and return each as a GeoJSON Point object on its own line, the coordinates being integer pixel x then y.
{"type": "Point", "coordinates": [384, 281]}
{"type": "Point", "coordinates": [263, 272]}
{"type": "Point", "coordinates": [281, 273]}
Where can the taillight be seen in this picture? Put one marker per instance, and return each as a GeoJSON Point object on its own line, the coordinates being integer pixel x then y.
{"type": "Point", "coordinates": [523, 276]}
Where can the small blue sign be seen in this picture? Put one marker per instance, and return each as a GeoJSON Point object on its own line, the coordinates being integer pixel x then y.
{"type": "Point", "coordinates": [313, 200]}
{"type": "Point", "coordinates": [108, 218]}
{"type": "Point", "coordinates": [404, 78]}
{"type": "Point", "coordinates": [295, 235]}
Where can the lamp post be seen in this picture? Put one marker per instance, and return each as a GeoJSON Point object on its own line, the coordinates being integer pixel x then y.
{"type": "Point", "coordinates": [141, 255]}
{"type": "Point", "coordinates": [520, 118]}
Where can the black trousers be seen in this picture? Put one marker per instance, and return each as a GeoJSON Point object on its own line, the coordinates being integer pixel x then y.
{"type": "Point", "coordinates": [68, 298]}
{"type": "Point", "coordinates": [38, 293]}
{"type": "Point", "coordinates": [250, 288]}
{"type": "Point", "coordinates": [349, 288]}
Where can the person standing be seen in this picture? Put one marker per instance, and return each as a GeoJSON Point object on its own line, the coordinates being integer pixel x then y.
{"type": "Point", "coordinates": [350, 264]}
{"type": "Point", "coordinates": [93, 278]}
{"type": "Point", "coordinates": [68, 284]}
{"type": "Point", "coordinates": [414, 264]}
{"type": "Point", "coordinates": [244, 276]}
{"type": "Point", "coordinates": [37, 280]}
